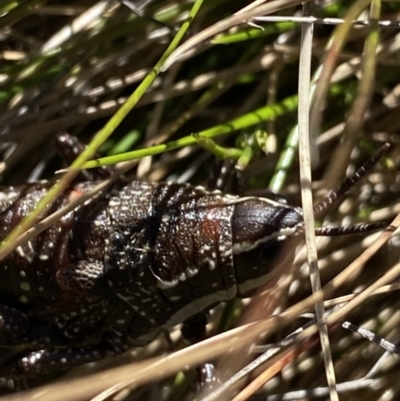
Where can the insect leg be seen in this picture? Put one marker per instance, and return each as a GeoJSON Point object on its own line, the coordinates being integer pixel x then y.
{"type": "Point", "coordinates": [70, 147]}
{"type": "Point", "coordinates": [225, 177]}
{"type": "Point", "coordinates": [47, 361]}
{"type": "Point", "coordinates": [81, 277]}
{"type": "Point", "coordinates": [194, 330]}
{"type": "Point", "coordinates": [43, 362]}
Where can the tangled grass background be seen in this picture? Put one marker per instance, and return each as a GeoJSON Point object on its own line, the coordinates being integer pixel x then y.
{"type": "Point", "coordinates": [232, 76]}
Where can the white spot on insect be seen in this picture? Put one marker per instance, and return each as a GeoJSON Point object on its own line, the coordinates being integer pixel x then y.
{"type": "Point", "coordinates": [25, 286]}
{"type": "Point", "coordinates": [63, 360]}
{"type": "Point", "coordinates": [114, 202]}
{"type": "Point", "coordinates": [30, 246]}
{"type": "Point", "coordinates": [20, 251]}
{"type": "Point", "coordinates": [41, 289]}
{"type": "Point", "coordinates": [22, 273]}
{"type": "Point", "coordinates": [211, 264]}
{"type": "Point", "coordinates": [23, 299]}
{"type": "Point", "coordinates": [175, 298]}
{"type": "Point", "coordinates": [43, 257]}
{"type": "Point", "coordinates": [121, 321]}
{"type": "Point", "coordinates": [50, 245]}
{"type": "Point", "coordinates": [190, 272]}
{"type": "Point", "coordinates": [33, 358]}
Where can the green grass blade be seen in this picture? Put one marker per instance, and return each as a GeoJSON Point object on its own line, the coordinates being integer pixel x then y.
{"type": "Point", "coordinates": [7, 245]}
{"type": "Point", "coordinates": [247, 120]}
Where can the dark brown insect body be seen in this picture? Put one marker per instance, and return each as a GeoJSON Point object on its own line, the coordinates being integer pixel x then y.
{"type": "Point", "coordinates": [139, 257]}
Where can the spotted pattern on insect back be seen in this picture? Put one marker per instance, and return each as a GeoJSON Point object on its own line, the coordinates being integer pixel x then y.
{"type": "Point", "coordinates": [112, 273]}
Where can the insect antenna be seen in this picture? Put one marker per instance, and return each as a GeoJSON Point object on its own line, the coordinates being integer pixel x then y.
{"type": "Point", "coordinates": [355, 229]}
{"type": "Point", "coordinates": [343, 188]}
{"type": "Point", "coordinates": [350, 181]}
